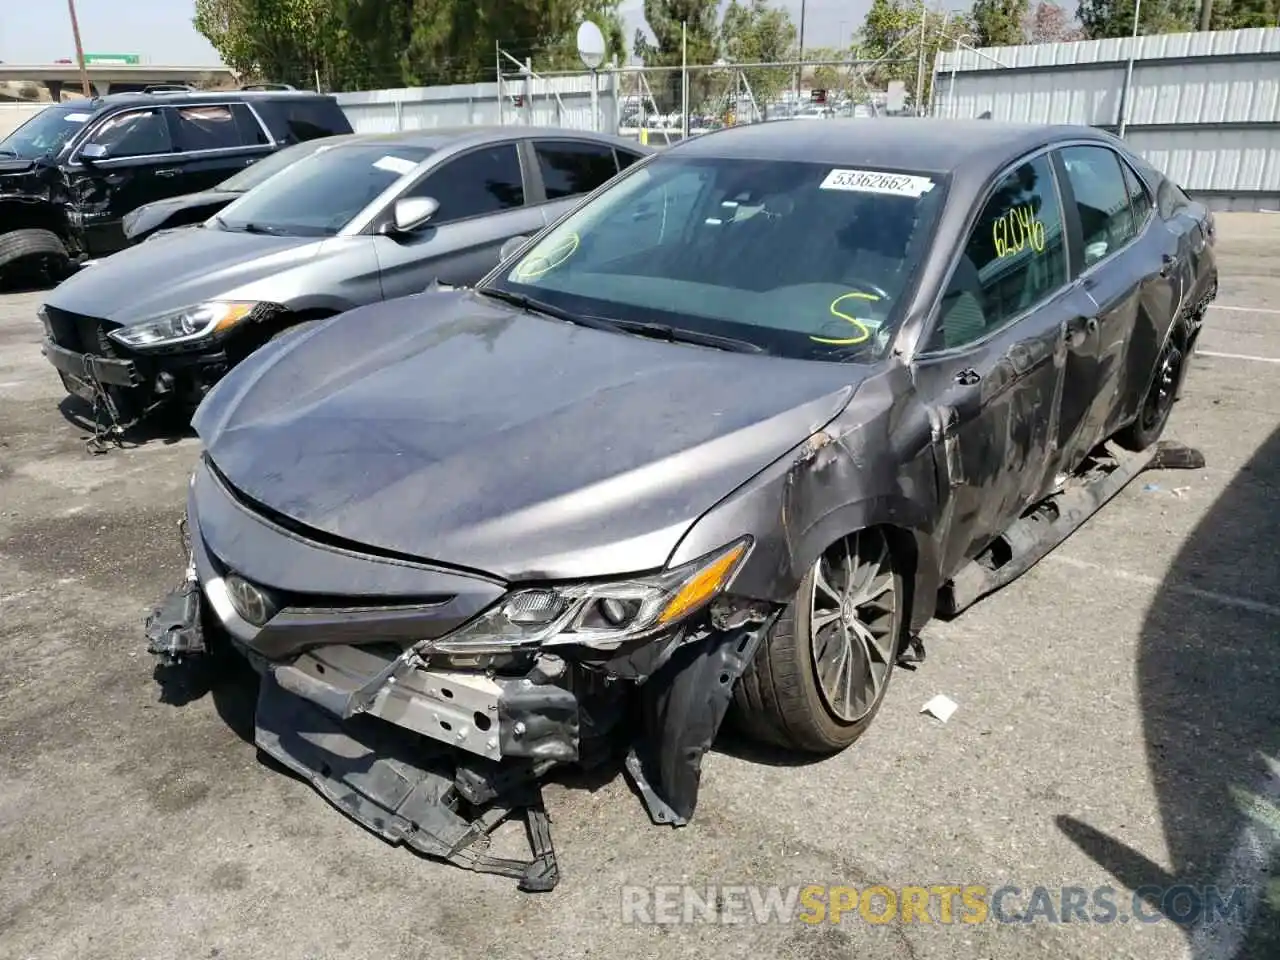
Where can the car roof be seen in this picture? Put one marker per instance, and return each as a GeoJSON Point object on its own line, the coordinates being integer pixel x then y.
{"type": "Point", "coordinates": [139, 98]}
{"type": "Point", "coordinates": [473, 135]}
{"type": "Point", "coordinates": [927, 144]}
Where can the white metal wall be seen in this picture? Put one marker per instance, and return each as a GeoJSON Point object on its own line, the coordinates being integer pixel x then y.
{"type": "Point", "coordinates": [1204, 108]}
{"type": "Point", "coordinates": [555, 102]}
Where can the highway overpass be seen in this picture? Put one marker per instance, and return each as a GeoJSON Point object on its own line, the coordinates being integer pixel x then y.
{"type": "Point", "coordinates": [107, 78]}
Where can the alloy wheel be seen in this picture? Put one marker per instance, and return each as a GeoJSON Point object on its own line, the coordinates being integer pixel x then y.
{"type": "Point", "coordinates": [853, 610]}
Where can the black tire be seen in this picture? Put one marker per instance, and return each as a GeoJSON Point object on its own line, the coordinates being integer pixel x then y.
{"type": "Point", "coordinates": [31, 254]}
{"type": "Point", "coordinates": [780, 699]}
{"type": "Point", "coordinates": [1157, 404]}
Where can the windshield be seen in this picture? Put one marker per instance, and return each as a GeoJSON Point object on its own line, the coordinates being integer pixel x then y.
{"type": "Point", "coordinates": [801, 259]}
{"type": "Point", "coordinates": [269, 166]}
{"type": "Point", "coordinates": [47, 132]}
{"type": "Point", "coordinates": [323, 192]}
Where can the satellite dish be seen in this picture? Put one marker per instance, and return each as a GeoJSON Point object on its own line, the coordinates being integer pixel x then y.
{"type": "Point", "coordinates": [590, 45]}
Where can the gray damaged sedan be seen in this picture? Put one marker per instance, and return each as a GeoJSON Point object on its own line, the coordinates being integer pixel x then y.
{"type": "Point", "coordinates": [733, 430]}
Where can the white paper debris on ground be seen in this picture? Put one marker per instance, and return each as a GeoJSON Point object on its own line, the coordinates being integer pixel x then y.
{"type": "Point", "coordinates": [941, 707]}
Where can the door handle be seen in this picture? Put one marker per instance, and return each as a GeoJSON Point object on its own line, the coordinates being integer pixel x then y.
{"type": "Point", "coordinates": [968, 377]}
{"type": "Point", "coordinates": [168, 172]}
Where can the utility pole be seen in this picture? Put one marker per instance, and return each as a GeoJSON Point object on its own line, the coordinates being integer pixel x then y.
{"type": "Point", "coordinates": [1206, 14]}
{"type": "Point", "coordinates": [75, 32]}
{"type": "Point", "coordinates": [684, 80]}
{"type": "Point", "coordinates": [800, 69]}
{"type": "Point", "coordinates": [920, 63]}
{"type": "Point", "coordinates": [1127, 91]}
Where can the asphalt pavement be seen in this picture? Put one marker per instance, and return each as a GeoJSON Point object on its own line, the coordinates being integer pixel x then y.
{"type": "Point", "coordinates": [1118, 726]}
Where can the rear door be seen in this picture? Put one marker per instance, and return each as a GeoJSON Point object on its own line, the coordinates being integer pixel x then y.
{"type": "Point", "coordinates": [569, 168]}
{"type": "Point", "coordinates": [992, 365]}
{"type": "Point", "coordinates": [484, 200]}
{"type": "Point", "coordinates": [216, 140]}
{"type": "Point", "coordinates": [1126, 269]}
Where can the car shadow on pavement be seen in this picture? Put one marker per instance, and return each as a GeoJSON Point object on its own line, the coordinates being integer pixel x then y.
{"type": "Point", "coordinates": [1209, 688]}
{"type": "Point", "coordinates": [163, 427]}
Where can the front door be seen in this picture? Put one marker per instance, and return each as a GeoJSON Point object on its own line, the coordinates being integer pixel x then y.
{"type": "Point", "coordinates": [482, 197]}
{"type": "Point", "coordinates": [992, 367]}
{"type": "Point", "coordinates": [140, 166]}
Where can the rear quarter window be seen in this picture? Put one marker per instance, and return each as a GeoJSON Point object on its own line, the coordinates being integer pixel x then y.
{"type": "Point", "coordinates": [298, 120]}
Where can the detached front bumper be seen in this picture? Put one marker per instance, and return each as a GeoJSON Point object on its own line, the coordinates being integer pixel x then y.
{"type": "Point", "coordinates": [354, 699]}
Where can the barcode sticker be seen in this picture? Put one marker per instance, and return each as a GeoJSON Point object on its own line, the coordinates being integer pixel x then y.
{"type": "Point", "coordinates": [876, 181]}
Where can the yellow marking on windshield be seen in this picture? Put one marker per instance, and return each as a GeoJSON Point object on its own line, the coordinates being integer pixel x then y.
{"type": "Point", "coordinates": [864, 331]}
{"type": "Point", "coordinates": [539, 265]}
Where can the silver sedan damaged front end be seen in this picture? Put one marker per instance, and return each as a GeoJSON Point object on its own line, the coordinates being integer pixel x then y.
{"type": "Point", "coordinates": [429, 703]}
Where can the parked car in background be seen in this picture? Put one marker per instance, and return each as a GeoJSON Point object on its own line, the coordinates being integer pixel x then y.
{"type": "Point", "coordinates": [375, 217]}
{"type": "Point", "coordinates": [192, 208]}
{"type": "Point", "coordinates": [70, 174]}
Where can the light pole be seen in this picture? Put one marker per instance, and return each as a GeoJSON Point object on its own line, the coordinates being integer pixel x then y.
{"type": "Point", "coordinates": [75, 33]}
{"type": "Point", "coordinates": [951, 87]}
{"type": "Point", "coordinates": [1128, 71]}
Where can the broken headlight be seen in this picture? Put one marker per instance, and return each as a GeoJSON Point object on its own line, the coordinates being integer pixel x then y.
{"type": "Point", "coordinates": [603, 614]}
{"type": "Point", "coordinates": [184, 326]}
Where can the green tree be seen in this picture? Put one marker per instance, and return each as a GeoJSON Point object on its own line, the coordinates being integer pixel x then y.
{"type": "Point", "coordinates": [1242, 14]}
{"type": "Point", "coordinates": [665, 18]}
{"type": "Point", "coordinates": [755, 32]}
{"type": "Point", "coordinates": [1114, 18]}
{"type": "Point", "coordinates": [891, 31]}
{"type": "Point", "coordinates": [361, 44]}
{"type": "Point", "coordinates": [999, 23]}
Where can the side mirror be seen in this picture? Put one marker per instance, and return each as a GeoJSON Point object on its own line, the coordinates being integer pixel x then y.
{"type": "Point", "coordinates": [92, 152]}
{"type": "Point", "coordinates": [511, 247]}
{"type": "Point", "coordinates": [410, 213]}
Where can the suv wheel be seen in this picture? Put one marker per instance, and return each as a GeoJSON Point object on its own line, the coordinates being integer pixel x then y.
{"type": "Point", "coordinates": [33, 255]}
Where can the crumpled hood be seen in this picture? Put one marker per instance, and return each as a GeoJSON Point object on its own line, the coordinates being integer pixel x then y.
{"type": "Point", "coordinates": [149, 216]}
{"type": "Point", "coordinates": [451, 427]}
{"type": "Point", "coordinates": [175, 270]}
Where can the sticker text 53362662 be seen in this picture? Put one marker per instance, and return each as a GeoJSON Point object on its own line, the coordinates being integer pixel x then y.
{"type": "Point", "coordinates": [877, 181]}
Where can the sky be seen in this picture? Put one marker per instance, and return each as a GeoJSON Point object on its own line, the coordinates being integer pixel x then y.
{"type": "Point", "coordinates": [161, 31]}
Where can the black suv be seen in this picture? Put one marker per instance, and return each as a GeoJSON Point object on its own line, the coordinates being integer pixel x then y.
{"type": "Point", "coordinates": [70, 174]}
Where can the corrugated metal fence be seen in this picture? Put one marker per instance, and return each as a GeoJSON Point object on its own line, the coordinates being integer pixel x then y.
{"type": "Point", "coordinates": [1204, 108]}
{"type": "Point", "coordinates": [550, 101]}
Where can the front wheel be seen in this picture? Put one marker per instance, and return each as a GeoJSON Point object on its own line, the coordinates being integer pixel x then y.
{"type": "Point", "coordinates": [820, 677]}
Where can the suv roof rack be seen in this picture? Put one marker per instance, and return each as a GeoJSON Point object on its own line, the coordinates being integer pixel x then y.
{"type": "Point", "coordinates": [168, 88]}
{"type": "Point", "coordinates": [268, 86]}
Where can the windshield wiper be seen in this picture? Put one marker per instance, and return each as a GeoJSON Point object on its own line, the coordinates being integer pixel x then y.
{"type": "Point", "coordinates": [662, 331]}
{"type": "Point", "coordinates": [260, 228]}
{"type": "Point", "coordinates": [538, 306]}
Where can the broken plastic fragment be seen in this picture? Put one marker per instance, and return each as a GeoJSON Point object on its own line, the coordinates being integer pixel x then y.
{"type": "Point", "coordinates": [941, 707]}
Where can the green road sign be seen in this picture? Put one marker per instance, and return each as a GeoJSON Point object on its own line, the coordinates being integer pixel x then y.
{"type": "Point", "coordinates": [113, 58]}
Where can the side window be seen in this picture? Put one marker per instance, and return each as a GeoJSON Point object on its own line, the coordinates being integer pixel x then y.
{"type": "Point", "coordinates": [307, 120]}
{"type": "Point", "coordinates": [626, 158]}
{"type": "Point", "coordinates": [483, 181]}
{"type": "Point", "coordinates": [1139, 199]}
{"type": "Point", "coordinates": [570, 168]}
{"type": "Point", "coordinates": [1015, 257]}
{"type": "Point", "coordinates": [136, 133]}
{"type": "Point", "coordinates": [1102, 200]}
{"type": "Point", "coordinates": [217, 127]}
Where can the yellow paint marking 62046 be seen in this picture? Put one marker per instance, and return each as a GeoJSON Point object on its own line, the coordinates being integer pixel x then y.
{"type": "Point", "coordinates": [863, 331]}
{"type": "Point", "coordinates": [1017, 229]}
{"type": "Point", "coordinates": [535, 266]}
